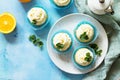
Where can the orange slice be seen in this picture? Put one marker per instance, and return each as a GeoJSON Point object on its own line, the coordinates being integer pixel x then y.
{"type": "Point", "coordinates": [24, 1]}
{"type": "Point", "coordinates": [7, 23]}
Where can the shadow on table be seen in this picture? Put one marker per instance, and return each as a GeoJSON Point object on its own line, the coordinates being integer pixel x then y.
{"type": "Point", "coordinates": [12, 37]}
{"type": "Point", "coordinates": [67, 76]}
{"type": "Point", "coordinates": [29, 5]}
{"type": "Point", "coordinates": [73, 76]}
{"type": "Point", "coordinates": [43, 32]}
{"type": "Point", "coordinates": [15, 36]}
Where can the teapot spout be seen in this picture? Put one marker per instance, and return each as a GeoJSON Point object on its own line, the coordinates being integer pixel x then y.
{"type": "Point", "coordinates": [109, 10]}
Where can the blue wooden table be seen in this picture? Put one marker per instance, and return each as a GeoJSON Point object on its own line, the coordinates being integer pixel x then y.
{"type": "Point", "coordinates": [19, 58]}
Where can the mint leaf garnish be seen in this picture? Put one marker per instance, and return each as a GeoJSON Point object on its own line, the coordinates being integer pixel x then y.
{"type": "Point", "coordinates": [88, 57]}
{"type": "Point", "coordinates": [34, 21]}
{"type": "Point", "coordinates": [59, 45]}
{"type": "Point", "coordinates": [96, 49]}
{"type": "Point", "coordinates": [32, 38]}
{"type": "Point", "coordinates": [84, 36]}
{"type": "Point", "coordinates": [35, 41]}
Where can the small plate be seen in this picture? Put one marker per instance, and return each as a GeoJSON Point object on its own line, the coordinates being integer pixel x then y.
{"type": "Point", "coordinates": [69, 22]}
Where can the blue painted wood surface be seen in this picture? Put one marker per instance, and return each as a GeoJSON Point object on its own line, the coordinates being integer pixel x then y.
{"type": "Point", "coordinates": [19, 58]}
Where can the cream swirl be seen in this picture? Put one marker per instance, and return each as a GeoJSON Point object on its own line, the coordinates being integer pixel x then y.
{"type": "Point", "coordinates": [37, 16]}
{"type": "Point", "coordinates": [85, 28]}
{"type": "Point", "coordinates": [80, 56]}
{"type": "Point", "coordinates": [62, 38]}
{"type": "Point", "coordinates": [61, 2]}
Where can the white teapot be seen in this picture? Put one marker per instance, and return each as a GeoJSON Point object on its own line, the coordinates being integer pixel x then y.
{"type": "Point", "coordinates": [101, 6]}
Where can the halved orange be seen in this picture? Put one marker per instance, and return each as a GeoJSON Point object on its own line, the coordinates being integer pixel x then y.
{"type": "Point", "coordinates": [7, 23]}
{"type": "Point", "coordinates": [24, 1]}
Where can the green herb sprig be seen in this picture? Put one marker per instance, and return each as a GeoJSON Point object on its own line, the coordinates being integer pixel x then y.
{"type": "Point", "coordinates": [59, 45]}
{"type": "Point", "coordinates": [36, 41]}
{"type": "Point", "coordinates": [84, 36]}
{"type": "Point", "coordinates": [96, 49]}
{"type": "Point", "coordinates": [88, 57]}
{"type": "Point", "coordinates": [34, 21]}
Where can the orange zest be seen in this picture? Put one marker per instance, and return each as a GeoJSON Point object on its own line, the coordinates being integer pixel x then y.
{"type": "Point", "coordinates": [7, 23]}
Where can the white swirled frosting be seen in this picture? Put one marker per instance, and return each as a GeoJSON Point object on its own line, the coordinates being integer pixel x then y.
{"type": "Point", "coordinates": [61, 2]}
{"type": "Point", "coordinates": [80, 56]}
{"type": "Point", "coordinates": [62, 38]}
{"type": "Point", "coordinates": [85, 28]}
{"type": "Point", "coordinates": [38, 15]}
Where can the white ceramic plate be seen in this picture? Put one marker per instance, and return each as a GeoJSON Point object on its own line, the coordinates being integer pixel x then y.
{"type": "Point", "coordinates": [69, 22]}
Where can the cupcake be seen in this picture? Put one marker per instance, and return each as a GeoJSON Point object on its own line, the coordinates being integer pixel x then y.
{"type": "Point", "coordinates": [83, 57]}
{"type": "Point", "coordinates": [62, 41]}
{"type": "Point", "coordinates": [61, 3]}
{"type": "Point", "coordinates": [37, 16]}
{"type": "Point", "coordinates": [85, 32]}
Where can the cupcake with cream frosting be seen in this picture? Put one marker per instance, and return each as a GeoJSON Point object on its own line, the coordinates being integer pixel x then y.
{"type": "Point", "coordinates": [37, 16]}
{"type": "Point", "coordinates": [83, 57]}
{"type": "Point", "coordinates": [85, 32]}
{"type": "Point", "coordinates": [62, 41]}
